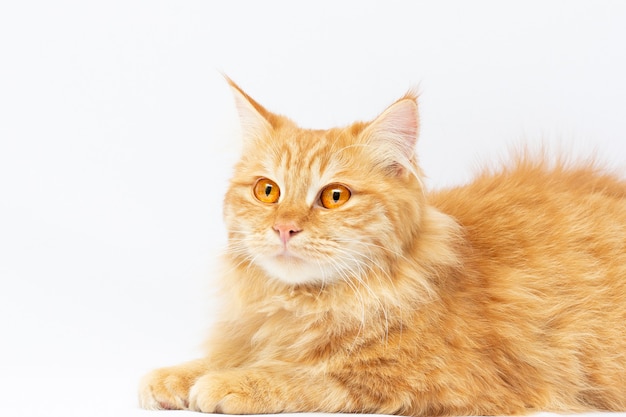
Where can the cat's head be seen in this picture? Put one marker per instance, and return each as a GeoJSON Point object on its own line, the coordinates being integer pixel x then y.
{"type": "Point", "coordinates": [319, 206]}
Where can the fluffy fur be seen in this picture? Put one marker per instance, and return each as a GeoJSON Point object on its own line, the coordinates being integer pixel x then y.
{"type": "Point", "coordinates": [503, 296]}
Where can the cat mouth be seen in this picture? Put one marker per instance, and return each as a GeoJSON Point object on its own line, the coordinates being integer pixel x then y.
{"type": "Point", "coordinates": [295, 265]}
{"type": "Point", "coordinates": [288, 256]}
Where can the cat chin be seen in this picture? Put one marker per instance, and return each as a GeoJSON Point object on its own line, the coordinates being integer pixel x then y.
{"type": "Point", "coordinates": [294, 270]}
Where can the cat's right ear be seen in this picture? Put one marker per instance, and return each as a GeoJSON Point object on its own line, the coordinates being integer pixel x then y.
{"type": "Point", "coordinates": [393, 135]}
{"type": "Point", "coordinates": [253, 118]}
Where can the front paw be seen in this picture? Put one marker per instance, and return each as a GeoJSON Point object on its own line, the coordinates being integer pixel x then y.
{"type": "Point", "coordinates": [208, 394]}
{"type": "Point", "coordinates": [168, 388]}
{"type": "Point", "coordinates": [232, 393]}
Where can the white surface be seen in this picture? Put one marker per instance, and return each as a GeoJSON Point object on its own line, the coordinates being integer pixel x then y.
{"type": "Point", "coordinates": [115, 147]}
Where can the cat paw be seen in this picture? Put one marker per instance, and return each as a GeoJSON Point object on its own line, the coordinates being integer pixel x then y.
{"type": "Point", "coordinates": [165, 389]}
{"type": "Point", "coordinates": [224, 394]}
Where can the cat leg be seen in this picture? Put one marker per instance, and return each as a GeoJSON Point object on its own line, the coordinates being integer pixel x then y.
{"type": "Point", "coordinates": [168, 388]}
{"type": "Point", "coordinates": [266, 391]}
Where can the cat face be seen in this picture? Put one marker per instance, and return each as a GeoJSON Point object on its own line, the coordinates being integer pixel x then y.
{"type": "Point", "coordinates": [317, 206]}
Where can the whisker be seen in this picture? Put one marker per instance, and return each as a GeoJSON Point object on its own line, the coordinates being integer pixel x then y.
{"type": "Point", "coordinates": [369, 244]}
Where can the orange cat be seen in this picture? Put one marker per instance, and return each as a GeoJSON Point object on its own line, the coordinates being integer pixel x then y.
{"type": "Point", "coordinates": [351, 288]}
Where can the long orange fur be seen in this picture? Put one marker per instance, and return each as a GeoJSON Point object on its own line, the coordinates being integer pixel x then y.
{"type": "Point", "coordinates": [503, 296]}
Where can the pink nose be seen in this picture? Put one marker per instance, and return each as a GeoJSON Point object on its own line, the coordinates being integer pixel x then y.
{"type": "Point", "coordinates": [286, 231]}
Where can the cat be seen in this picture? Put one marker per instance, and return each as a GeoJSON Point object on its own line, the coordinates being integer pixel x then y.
{"type": "Point", "coordinates": [349, 287]}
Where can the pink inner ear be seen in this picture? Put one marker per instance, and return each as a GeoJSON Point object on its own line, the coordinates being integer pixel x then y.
{"type": "Point", "coordinates": [253, 123]}
{"type": "Point", "coordinates": [404, 121]}
{"type": "Point", "coordinates": [397, 127]}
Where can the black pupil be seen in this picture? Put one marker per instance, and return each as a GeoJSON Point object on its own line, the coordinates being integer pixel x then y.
{"type": "Point", "coordinates": [336, 195]}
{"type": "Point", "coordinates": [268, 190]}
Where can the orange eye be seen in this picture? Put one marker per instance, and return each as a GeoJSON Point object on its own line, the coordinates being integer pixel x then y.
{"type": "Point", "coordinates": [334, 195]}
{"type": "Point", "coordinates": [266, 191]}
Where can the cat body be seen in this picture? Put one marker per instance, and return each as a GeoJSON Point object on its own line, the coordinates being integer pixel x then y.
{"type": "Point", "coordinates": [351, 288]}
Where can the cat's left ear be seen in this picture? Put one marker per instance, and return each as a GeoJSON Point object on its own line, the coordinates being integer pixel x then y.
{"type": "Point", "coordinates": [254, 119]}
{"type": "Point", "coordinates": [393, 135]}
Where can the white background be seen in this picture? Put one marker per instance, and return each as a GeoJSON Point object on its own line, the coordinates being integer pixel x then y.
{"type": "Point", "coordinates": [117, 136]}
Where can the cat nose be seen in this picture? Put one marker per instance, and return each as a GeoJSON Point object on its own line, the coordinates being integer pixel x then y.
{"type": "Point", "coordinates": [286, 231]}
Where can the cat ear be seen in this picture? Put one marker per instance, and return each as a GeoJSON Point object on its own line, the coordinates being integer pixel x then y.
{"type": "Point", "coordinates": [393, 134]}
{"type": "Point", "coordinates": [254, 119]}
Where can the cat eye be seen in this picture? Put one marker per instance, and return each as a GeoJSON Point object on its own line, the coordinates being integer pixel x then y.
{"type": "Point", "coordinates": [334, 195]}
{"type": "Point", "coordinates": [266, 191]}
